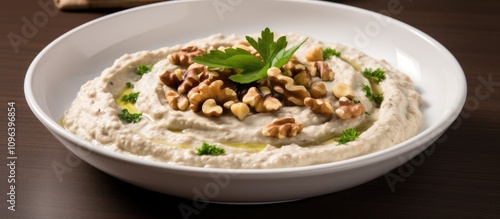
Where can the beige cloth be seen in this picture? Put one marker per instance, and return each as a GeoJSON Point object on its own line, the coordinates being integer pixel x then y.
{"type": "Point", "coordinates": [93, 4]}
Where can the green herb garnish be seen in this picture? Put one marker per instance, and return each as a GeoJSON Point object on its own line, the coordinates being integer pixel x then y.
{"type": "Point", "coordinates": [377, 75]}
{"type": "Point", "coordinates": [129, 117]}
{"type": "Point", "coordinates": [377, 98]}
{"type": "Point", "coordinates": [210, 149]}
{"type": "Point", "coordinates": [142, 69]}
{"type": "Point", "coordinates": [348, 135]}
{"type": "Point", "coordinates": [329, 52]}
{"type": "Point", "coordinates": [251, 68]}
{"type": "Point", "coordinates": [130, 98]}
{"type": "Point", "coordinates": [129, 85]}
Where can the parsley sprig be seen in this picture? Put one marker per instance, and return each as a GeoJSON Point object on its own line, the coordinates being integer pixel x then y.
{"type": "Point", "coordinates": [142, 69]}
{"type": "Point", "coordinates": [129, 117]}
{"type": "Point", "coordinates": [348, 135]}
{"type": "Point", "coordinates": [377, 75]}
{"type": "Point", "coordinates": [251, 68]}
{"type": "Point", "coordinates": [329, 52]}
{"type": "Point", "coordinates": [209, 149]}
{"type": "Point", "coordinates": [377, 98]}
{"type": "Point", "coordinates": [130, 98]}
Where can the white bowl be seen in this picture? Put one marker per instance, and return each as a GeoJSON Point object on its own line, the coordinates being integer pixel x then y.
{"type": "Point", "coordinates": [57, 73]}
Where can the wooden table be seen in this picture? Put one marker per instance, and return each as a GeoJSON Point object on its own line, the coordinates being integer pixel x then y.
{"type": "Point", "coordinates": [458, 177]}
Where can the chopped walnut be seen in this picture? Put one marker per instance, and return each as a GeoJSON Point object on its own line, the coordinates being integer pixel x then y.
{"type": "Point", "coordinates": [322, 70]}
{"type": "Point", "coordinates": [191, 78]}
{"type": "Point", "coordinates": [214, 91]}
{"type": "Point", "coordinates": [265, 90]}
{"type": "Point", "coordinates": [285, 86]}
{"type": "Point", "coordinates": [315, 54]}
{"type": "Point", "coordinates": [240, 110]}
{"type": "Point", "coordinates": [348, 109]}
{"type": "Point", "coordinates": [260, 102]}
{"type": "Point", "coordinates": [303, 78]}
{"type": "Point", "coordinates": [318, 90]}
{"type": "Point", "coordinates": [211, 109]}
{"type": "Point", "coordinates": [183, 57]}
{"type": "Point", "coordinates": [172, 79]}
{"type": "Point", "coordinates": [228, 104]}
{"type": "Point", "coordinates": [293, 67]}
{"type": "Point", "coordinates": [343, 90]}
{"type": "Point", "coordinates": [284, 127]}
{"type": "Point", "coordinates": [176, 100]}
{"type": "Point", "coordinates": [219, 74]}
{"type": "Point", "coordinates": [197, 88]}
{"type": "Point", "coordinates": [319, 106]}
{"type": "Point", "coordinates": [298, 71]}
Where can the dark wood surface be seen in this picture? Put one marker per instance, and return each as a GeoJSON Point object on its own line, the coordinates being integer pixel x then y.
{"type": "Point", "coordinates": [459, 177]}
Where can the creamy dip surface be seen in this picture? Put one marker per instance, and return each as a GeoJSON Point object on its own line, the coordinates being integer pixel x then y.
{"type": "Point", "coordinates": [172, 136]}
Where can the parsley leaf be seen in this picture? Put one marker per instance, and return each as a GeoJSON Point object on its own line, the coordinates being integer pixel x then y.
{"type": "Point", "coordinates": [377, 75]}
{"type": "Point", "coordinates": [249, 77]}
{"type": "Point", "coordinates": [265, 45]}
{"type": "Point", "coordinates": [284, 55]}
{"type": "Point", "coordinates": [129, 85]}
{"type": "Point", "coordinates": [142, 69]}
{"type": "Point", "coordinates": [348, 135]}
{"type": "Point", "coordinates": [130, 98]}
{"type": "Point", "coordinates": [209, 149]}
{"type": "Point", "coordinates": [237, 59]}
{"type": "Point", "coordinates": [249, 67]}
{"type": "Point", "coordinates": [377, 98]}
{"type": "Point", "coordinates": [329, 52]}
{"type": "Point", "coordinates": [129, 117]}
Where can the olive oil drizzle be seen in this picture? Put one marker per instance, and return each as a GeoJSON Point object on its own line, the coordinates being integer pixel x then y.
{"type": "Point", "coordinates": [126, 105]}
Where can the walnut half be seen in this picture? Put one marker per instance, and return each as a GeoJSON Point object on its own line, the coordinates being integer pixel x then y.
{"type": "Point", "coordinates": [184, 55]}
{"type": "Point", "coordinates": [214, 91]}
{"type": "Point", "coordinates": [261, 103]}
{"type": "Point", "coordinates": [293, 94]}
{"type": "Point", "coordinates": [176, 100]}
{"type": "Point", "coordinates": [283, 127]}
{"type": "Point", "coordinates": [320, 106]}
{"type": "Point", "coordinates": [348, 109]}
{"type": "Point", "coordinates": [211, 109]}
{"type": "Point", "coordinates": [322, 70]}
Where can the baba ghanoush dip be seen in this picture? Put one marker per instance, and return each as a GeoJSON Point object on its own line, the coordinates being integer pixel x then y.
{"type": "Point", "coordinates": [247, 102]}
